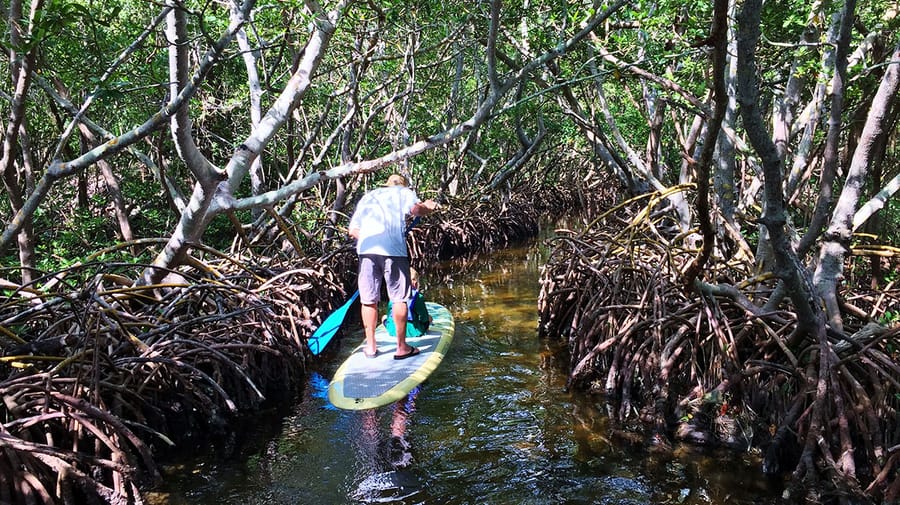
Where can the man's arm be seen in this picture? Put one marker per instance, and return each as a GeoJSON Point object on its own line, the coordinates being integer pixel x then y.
{"type": "Point", "coordinates": [354, 224]}
{"type": "Point", "coordinates": [424, 208]}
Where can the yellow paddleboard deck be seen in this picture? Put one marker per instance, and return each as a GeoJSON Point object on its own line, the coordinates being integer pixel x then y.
{"type": "Point", "coordinates": [366, 383]}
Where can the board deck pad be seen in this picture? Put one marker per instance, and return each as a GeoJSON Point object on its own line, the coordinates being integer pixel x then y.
{"type": "Point", "coordinates": [367, 383]}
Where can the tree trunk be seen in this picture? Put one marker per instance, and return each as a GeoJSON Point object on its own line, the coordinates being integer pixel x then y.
{"type": "Point", "coordinates": [250, 58]}
{"type": "Point", "coordinates": [837, 237]}
{"type": "Point", "coordinates": [20, 67]}
{"type": "Point", "coordinates": [718, 39]}
{"type": "Point", "coordinates": [787, 267]}
{"type": "Point", "coordinates": [641, 170]}
{"type": "Point", "coordinates": [785, 108]}
{"type": "Point", "coordinates": [26, 239]}
{"type": "Point", "coordinates": [844, 20]}
{"type": "Point", "coordinates": [594, 134]}
{"type": "Point", "coordinates": [202, 206]}
{"type": "Point", "coordinates": [82, 200]}
{"type": "Point", "coordinates": [347, 128]}
{"type": "Point", "coordinates": [528, 148]}
{"type": "Point", "coordinates": [181, 124]}
{"type": "Point", "coordinates": [724, 180]}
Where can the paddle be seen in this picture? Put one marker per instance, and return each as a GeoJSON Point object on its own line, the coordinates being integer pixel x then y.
{"type": "Point", "coordinates": [320, 338]}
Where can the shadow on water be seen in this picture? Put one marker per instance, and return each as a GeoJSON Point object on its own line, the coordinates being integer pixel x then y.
{"type": "Point", "coordinates": [492, 425]}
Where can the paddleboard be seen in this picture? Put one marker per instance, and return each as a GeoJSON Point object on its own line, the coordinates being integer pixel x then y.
{"type": "Point", "coordinates": [362, 383]}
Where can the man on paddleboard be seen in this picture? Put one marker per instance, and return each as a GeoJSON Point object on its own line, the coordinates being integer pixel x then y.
{"type": "Point", "coordinates": [379, 227]}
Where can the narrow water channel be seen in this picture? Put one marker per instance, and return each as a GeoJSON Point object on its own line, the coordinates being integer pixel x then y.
{"type": "Point", "coordinates": [492, 425]}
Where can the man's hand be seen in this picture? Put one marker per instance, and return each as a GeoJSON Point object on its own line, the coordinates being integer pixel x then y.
{"type": "Point", "coordinates": [424, 208]}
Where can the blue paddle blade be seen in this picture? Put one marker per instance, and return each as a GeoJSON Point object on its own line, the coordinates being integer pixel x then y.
{"type": "Point", "coordinates": [320, 338]}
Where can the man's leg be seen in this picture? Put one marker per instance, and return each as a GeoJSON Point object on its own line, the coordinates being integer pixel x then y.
{"type": "Point", "coordinates": [396, 275]}
{"type": "Point", "coordinates": [369, 283]}
{"type": "Point", "coordinates": [369, 315]}
{"type": "Point", "coordinates": [399, 314]}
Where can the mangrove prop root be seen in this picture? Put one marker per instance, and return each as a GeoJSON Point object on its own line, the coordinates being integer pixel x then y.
{"type": "Point", "coordinates": [722, 365]}
{"type": "Point", "coordinates": [99, 374]}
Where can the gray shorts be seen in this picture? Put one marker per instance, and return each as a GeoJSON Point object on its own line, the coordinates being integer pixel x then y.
{"type": "Point", "coordinates": [395, 272]}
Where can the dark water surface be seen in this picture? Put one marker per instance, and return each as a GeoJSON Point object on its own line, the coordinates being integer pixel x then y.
{"type": "Point", "coordinates": [492, 425]}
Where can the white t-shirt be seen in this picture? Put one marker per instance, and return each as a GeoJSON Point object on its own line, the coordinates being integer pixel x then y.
{"type": "Point", "coordinates": [381, 218]}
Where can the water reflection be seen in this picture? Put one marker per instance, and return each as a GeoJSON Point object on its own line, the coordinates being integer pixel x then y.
{"type": "Point", "coordinates": [387, 456]}
{"type": "Point", "coordinates": [493, 425]}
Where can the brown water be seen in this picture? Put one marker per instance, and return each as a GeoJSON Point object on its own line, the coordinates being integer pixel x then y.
{"type": "Point", "coordinates": [492, 425]}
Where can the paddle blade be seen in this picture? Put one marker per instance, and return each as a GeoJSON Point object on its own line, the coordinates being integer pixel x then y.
{"type": "Point", "coordinates": [320, 338]}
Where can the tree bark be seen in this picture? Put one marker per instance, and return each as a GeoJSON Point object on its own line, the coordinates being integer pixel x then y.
{"type": "Point", "coordinates": [787, 267]}
{"type": "Point", "coordinates": [837, 237]}
{"type": "Point", "coordinates": [95, 132]}
{"type": "Point", "coordinates": [785, 108]}
{"type": "Point", "coordinates": [724, 180]}
{"type": "Point", "coordinates": [718, 39]}
{"type": "Point", "coordinates": [833, 137]}
{"type": "Point", "coordinates": [250, 58]}
{"type": "Point", "coordinates": [643, 170]}
{"type": "Point", "coordinates": [20, 67]}
{"type": "Point", "coordinates": [528, 148]}
{"type": "Point", "coordinates": [180, 123]}
{"type": "Point", "coordinates": [26, 238]}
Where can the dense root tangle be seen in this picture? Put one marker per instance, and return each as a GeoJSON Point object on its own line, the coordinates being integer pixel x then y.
{"type": "Point", "coordinates": [720, 367]}
{"type": "Point", "coordinates": [98, 373]}
{"type": "Point", "coordinates": [476, 225]}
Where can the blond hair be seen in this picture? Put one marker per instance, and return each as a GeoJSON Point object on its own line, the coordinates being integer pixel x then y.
{"type": "Point", "coordinates": [396, 180]}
